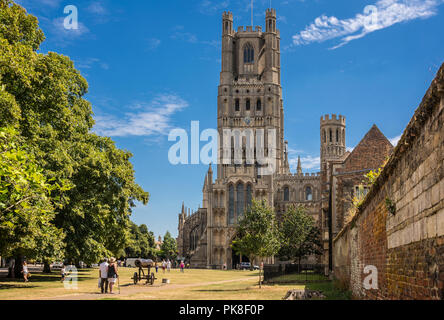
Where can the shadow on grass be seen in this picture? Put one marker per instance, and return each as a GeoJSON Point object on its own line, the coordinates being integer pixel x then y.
{"type": "Point", "coordinates": [331, 290]}
{"type": "Point", "coordinates": [8, 283]}
{"type": "Point", "coordinates": [222, 290]}
{"type": "Point", "coordinates": [4, 286]}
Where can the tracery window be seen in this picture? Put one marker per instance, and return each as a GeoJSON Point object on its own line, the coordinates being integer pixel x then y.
{"type": "Point", "coordinates": [240, 200]}
{"type": "Point", "coordinates": [286, 194]}
{"type": "Point", "coordinates": [231, 205]}
{"type": "Point", "coordinates": [308, 194]}
{"type": "Point", "coordinates": [248, 53]}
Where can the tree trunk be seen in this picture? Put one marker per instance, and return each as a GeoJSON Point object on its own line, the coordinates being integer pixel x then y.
{"type": "Point", "coordinates": [260, 274]}
{"type": "Point", "coordinates": [299, 265]}
{"type": "Point", "coordinates": [46, 267]}
{"type": "Point", "coordinates": [11, 274]}
{"type": "Point", "coordinates": [18, 267]}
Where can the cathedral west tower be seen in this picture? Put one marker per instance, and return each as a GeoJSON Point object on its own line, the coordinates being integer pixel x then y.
{"type": "Point", "coordinates": [250, 104]}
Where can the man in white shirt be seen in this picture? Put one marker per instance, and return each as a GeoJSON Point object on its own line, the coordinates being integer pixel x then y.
{"type": "Point", "coordinates": [103, 274]}
{"type": "Point", "coordinates": [169, 265]}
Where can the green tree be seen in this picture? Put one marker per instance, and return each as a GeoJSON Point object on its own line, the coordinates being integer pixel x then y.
{"type": "Point", "coordinates": [299, 235]}
{"type": "Point", "coordinates": [46, 95]}
{"type": "Point", "coordinates": [256, 233]}
{"type": "Point", "coordinates": [26, 207]}
{"type": "Point", "coordinates": [141, 243]}
{"type": "Point", "coordinates": [168, 249]}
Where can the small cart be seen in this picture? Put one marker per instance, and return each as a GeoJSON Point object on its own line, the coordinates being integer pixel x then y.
{"type": "Point", "coordinates": [140, 275]}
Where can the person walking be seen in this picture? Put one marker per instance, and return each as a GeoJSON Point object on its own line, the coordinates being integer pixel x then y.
{"type": "Point", "coordinates": [112, 274]}
{"type": "Point", "coordinates": [25, 271]}
{"type": "Point", "coordinates": [169, 265]}
{"type": "Point", "coordinates": [156, 265]}
{"type": "Point", "coordinates": [182, 267]}
{"type": "Point", "coordinates": [103, 275]}
{"type": "Point", "coordinates": [163, 266]}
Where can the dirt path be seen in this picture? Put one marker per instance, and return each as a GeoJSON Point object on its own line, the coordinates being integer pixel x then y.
{"type": "Point", "coordinates": [128, 290]}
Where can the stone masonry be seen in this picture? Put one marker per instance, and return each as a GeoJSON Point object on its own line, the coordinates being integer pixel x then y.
{"type": "Point", "coordinates": [250, 99]}
{"type": "Point", "coordinates": [399, 229]}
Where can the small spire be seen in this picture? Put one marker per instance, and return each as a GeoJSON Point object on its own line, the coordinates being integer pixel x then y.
{"type": "Point", "coordinates": [183, 206]}
{"type": "Point", "coordinates": [299, 165]}
{"type": "Point", "coordinates": [210, 170]}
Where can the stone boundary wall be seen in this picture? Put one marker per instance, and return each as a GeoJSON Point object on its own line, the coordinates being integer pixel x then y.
{"type": "Point", "coordinates": [399, 229]}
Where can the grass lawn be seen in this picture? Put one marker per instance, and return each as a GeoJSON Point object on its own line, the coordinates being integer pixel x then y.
{"type": "Point", "coordinates": [192, 285]}
{"type": "Point", "coordinates": [299, 278]}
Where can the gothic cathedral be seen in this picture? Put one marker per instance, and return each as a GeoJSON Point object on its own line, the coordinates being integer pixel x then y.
{"type": "Point", "coordinates": [250, 98]}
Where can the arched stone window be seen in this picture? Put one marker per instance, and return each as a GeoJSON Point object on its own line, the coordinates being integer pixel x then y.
{"type": "Point", "coordinates": [237, 105]}
{"type": "Point", "coordinates": [240, 205]}
{"type": "Point", "coordinates": [259, 105]}
{"type": "Point", "coordinates": [325, 136]}
{"type": "Point", "coordinates": [231, 205]}
{"type": "Point", "coordinates": [331, 135]}
{"type": "Point", "coordinates": [337, 135]}
{"type": "Point", "coordinates": [191, 241]}
{"type": "Point", "coordinates": [248, 105]}
{"type": "Point", "coordinates": [248, 53]}
{"type": "Point", "coordinates": [286, 194]}
{"type": "Point", "coordinates": [308, 194]}
{"type": "Point", "coordinates": [194, 238]}
{"type": "Point", "coordinates": [249, 196]}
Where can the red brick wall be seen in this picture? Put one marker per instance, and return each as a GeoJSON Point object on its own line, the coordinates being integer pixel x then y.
{"type": "Point", "coordinates": [416, 271]}
{"type": "Point", "coordinates": [406, 244]}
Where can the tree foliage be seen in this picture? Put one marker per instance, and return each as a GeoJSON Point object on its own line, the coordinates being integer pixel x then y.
{"type": "Point", "coordinates": [42, 95]}
{"type": "Point", "coordinates": [26, 206]}
{"type": "Point", "coordinates": [256, 233]}
{"type": "Point", "coordinates": [299, 235]}
{"type": "Point", "coordinates": [142, 242]}
{"type": "Point", "coordinates": [168, 249]}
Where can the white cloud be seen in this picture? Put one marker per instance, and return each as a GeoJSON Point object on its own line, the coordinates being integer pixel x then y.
{"type": "Point", "coordinates": [184, 36]}
{"type": "Point", "coordinates": [389, 13]}
{"type": "Point", "coordinates": [153, 43]}
{"type": "Point", "coordinates": [294, 152]}
{"type": "Point", "coordinates": [212, 7]}
{"type": "Point", "coordinates": [97, 8]}
{"type": "Point", "coordinates": [394, 141]}
{"type": "Point", "coordinates": [88, 63]}
{"type": "Point", "coordinates": [282, 19]}
{"type": "Point", "coordinates": [154, 118]}
{"type": "Point", "coordinates": [308, 162]}
{"type": "Point", "coordinates": [32, 3]}
{"type": "Point", "coordinates": [64, 36]}
{"type": "Point", "coordinates": [180, 34]}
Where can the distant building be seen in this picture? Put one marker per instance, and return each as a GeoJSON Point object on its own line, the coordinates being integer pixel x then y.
{"type": "Point", "coordinates": [159, 243]}
{"type": "Point", "coordinates": [250, 97]}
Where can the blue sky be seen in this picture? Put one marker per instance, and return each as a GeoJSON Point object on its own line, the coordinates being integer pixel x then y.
{"type": "Point", "coordinates": [154, 65]}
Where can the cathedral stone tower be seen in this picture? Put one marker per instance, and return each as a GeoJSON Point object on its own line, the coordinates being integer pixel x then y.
{"type": "Point", "coordinates": [250, 106]}
{"type": "Point", "coordinates": [250, 93]}
{"type": "Point", "coordinates": [332, 138]}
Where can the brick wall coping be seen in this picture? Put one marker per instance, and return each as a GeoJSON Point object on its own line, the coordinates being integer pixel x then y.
{"type": "Point", "coordinates": [430, 101]}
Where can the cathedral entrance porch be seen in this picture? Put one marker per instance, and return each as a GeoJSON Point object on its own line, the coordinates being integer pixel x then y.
{"type": "Point", "coordinates": [237, 259]}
